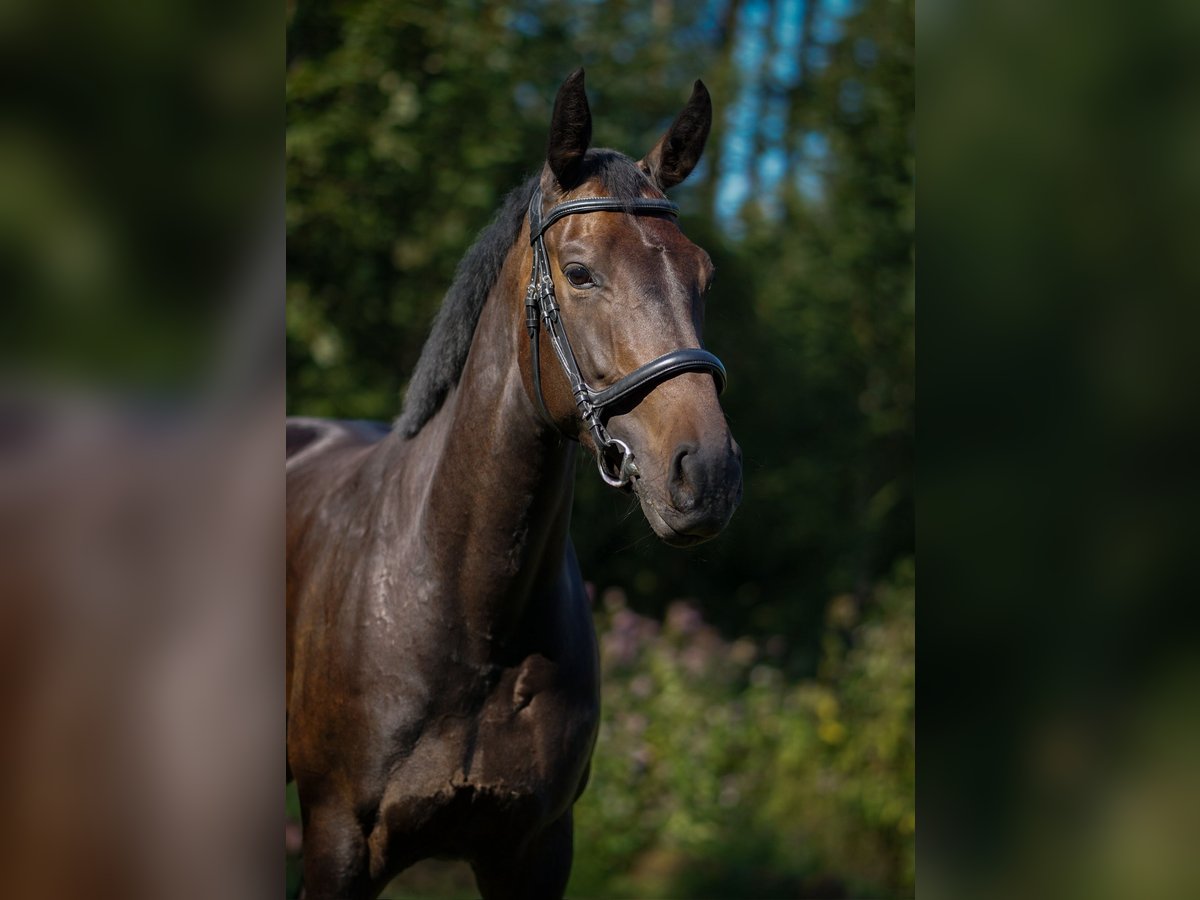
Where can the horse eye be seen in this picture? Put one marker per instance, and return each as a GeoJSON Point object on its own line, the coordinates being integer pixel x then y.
{"type": "Point", "coordinates": [578, 275]}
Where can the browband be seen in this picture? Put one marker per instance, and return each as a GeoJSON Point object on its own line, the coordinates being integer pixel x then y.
{"type": "Point", "coordinates": [594, 204]}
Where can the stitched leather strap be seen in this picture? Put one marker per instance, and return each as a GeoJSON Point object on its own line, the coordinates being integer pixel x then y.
{"type": "Point", "coordinates": [658, 370]}
{"type": "Point", "coordinates": [596, 204]}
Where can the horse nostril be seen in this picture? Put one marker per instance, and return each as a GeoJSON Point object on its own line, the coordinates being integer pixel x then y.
{"type": "Point", "coordinates": [681, 482]}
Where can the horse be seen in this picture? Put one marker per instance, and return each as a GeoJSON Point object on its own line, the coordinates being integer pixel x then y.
{"type": "Point", "coordinates": [442, 666]}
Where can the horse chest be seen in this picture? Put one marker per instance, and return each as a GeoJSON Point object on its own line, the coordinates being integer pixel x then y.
{"type": "Point", "coordinates": [534, 728]}
{"type": "Point", "coordinates": [513, 765]}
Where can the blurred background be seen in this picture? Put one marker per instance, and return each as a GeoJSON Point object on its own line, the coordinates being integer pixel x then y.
{"type": "Point", "coordinates": [758, 728]}
{"type": "Point", "coordinates": [1060, 405]}
{"type": "Point", "coordinates": [141, 406]}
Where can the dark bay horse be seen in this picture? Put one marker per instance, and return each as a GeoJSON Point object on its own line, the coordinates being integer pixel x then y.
{"type": "Point", "coordinates": [442, 684]}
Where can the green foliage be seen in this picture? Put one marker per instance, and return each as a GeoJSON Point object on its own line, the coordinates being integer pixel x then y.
{"type": "Point", "coordinates": [720, 777]}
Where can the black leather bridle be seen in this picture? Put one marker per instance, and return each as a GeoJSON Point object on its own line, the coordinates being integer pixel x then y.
{"type": "Point", "coordinates": [613, 456]}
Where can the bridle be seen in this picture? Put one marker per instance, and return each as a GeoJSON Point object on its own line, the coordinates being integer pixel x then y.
{"type": "Point", "coordinates": [613, 456]}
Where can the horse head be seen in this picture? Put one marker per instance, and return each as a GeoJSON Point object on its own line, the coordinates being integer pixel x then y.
{"type": "Point", "coordinates": [633, 382]}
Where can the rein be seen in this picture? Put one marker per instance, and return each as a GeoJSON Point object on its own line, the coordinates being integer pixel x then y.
{"type": "Point", "coordinates": [613, 457]}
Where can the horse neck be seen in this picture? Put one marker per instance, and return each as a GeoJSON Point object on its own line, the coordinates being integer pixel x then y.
{"type": "Point", "coordinates": [498, 504]}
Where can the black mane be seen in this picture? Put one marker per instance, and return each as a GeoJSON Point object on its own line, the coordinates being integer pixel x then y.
{"type": "Point", "coordinates": [445, 351]}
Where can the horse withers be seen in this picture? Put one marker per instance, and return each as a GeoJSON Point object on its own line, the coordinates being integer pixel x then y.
{"type": "Point", "coordinates": [442, 673]}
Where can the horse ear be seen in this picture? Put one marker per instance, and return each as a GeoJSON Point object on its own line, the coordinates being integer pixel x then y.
{"type": "Point", "coordinates": [570, 131]}
{"type": "Point", "coordinates": [679, 149]}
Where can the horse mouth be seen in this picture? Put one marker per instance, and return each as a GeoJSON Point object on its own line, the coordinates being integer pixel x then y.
{"type": "Point", "coordinates": [663, 529]}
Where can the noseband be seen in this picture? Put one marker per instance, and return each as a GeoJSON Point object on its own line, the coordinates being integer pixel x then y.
{"type": "Point", "coordinates": [613, 456]}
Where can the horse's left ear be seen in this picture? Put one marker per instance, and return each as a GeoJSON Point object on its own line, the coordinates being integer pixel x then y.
{"type": "Point", "coordinates": [679, 149]}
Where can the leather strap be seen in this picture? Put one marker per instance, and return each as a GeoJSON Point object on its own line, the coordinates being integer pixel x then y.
{"type": "Point", "coordinates": [599, 204]}
{"type": "Point", "coordinates": [658, 370]}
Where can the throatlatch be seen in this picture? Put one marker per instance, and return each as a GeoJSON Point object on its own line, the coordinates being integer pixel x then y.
{"type": "Point", "coordinates": [613, 456]}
